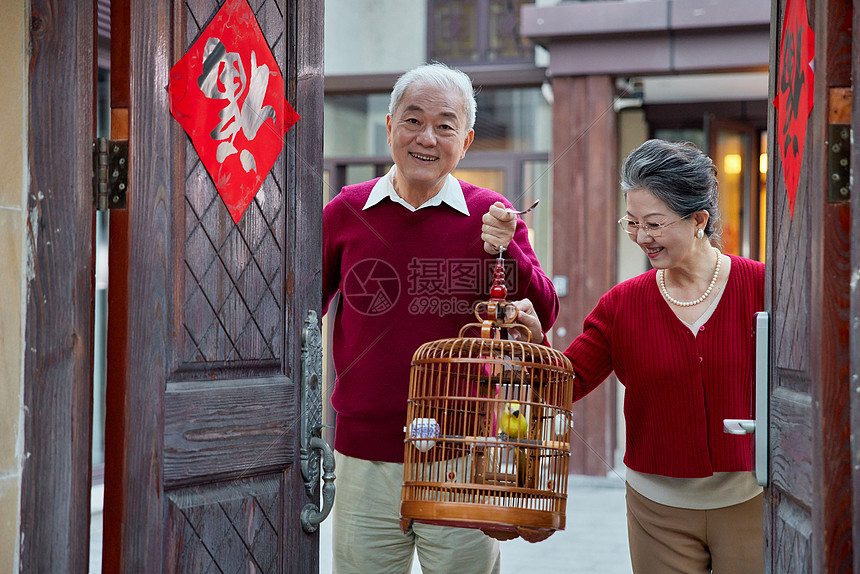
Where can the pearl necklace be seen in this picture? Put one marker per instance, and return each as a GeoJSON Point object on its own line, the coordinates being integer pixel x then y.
{"type": "Point", "coordinates": [661, 279]}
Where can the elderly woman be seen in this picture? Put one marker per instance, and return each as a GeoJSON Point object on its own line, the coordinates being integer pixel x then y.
{"type": "Point", "coordinates": [678, 339]}
{"type": "Point", "coordinates": [410, 253]}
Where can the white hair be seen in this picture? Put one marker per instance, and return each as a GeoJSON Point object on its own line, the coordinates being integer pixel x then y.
{"type": "Point", "coordinates": [437, 74]}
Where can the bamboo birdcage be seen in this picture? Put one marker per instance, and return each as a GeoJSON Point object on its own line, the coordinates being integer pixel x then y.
{"type": "Point", "coordinates": [463, 464]}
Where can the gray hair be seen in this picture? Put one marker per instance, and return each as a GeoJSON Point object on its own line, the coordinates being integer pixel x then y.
{"type": "Point", "coordinates": [440, 75]}
{"type": "Point", "coordinates": [679, 175]}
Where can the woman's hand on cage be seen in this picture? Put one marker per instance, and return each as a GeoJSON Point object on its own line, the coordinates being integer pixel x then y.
{"type": "Point", "coordinates": [528, 318]}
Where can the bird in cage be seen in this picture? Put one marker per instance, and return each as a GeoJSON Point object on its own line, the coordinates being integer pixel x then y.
{"type": "Point", "coordinates": [513, 421]}
{"type": "Point", "coordinates": [492, 401]}
{"type": "Point", "coordinates": [514, 425]}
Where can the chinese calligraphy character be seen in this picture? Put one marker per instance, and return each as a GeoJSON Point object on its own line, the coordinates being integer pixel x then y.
{"type": "Point", "coordinates": [794, 97]}
{"type": "Point", "coordinates": [463, 276]}
{"type": "Point", "coordinates": [791, 82]}
{"type": "Point", "coordinates": [223, 77]}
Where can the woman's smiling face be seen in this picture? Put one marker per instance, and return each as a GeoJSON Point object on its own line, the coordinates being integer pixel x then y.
{"type": "Point", "coordinates": [676, 241]}
{"type": "Point", "coordinates": [428, 135]}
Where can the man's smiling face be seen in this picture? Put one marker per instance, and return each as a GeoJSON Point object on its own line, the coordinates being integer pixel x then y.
{"type": "Point", "coordinates": [428, 135]}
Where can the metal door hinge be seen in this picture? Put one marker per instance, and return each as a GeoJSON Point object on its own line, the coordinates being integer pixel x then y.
{"type": "Point", "coordinates": [839, 143]}
{"type": "Point", "coordinates": [110, 174]}
{"type": "Point", "coordinates": [839, 138]}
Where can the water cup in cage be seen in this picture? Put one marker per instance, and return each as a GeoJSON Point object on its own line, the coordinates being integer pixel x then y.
{"type": "Point", "coordinates": [424, 428]}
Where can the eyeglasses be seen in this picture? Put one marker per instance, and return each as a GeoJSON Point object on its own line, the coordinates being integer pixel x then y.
{"type": "Point", "coordinates": [651, 229]}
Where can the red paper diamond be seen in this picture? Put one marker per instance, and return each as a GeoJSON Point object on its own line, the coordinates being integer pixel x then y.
{"type": "Point", "coordinates": [228, 94]}
{"type": "Point", "coordinates": [794, 87]}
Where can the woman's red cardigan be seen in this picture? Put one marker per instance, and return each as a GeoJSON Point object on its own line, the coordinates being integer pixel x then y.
{"type": "Point", "coordinates": [678, 386]}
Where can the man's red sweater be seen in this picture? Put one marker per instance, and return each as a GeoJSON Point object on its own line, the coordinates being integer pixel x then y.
{"type": "Point", "coordinates": [678, 387]}
{"type": "Point", "coordinates": [406, 278]}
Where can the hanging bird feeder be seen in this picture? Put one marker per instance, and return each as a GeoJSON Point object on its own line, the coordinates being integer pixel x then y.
{"type": "Point", "coordinates": [488, 428]}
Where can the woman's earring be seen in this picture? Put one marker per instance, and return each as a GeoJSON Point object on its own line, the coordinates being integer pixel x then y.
{"type": "Point", "coordinates": [700, 233]}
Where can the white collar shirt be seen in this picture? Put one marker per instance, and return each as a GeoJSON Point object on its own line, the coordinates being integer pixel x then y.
{"type": "Point", "coordinates": [451, 193]}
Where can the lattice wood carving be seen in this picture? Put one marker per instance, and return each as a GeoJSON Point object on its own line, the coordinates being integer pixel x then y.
{"type": "Point", "coordinates": [454, 30]}
{"type": "Point", "coordinates": [233, 303]}
{"type": "Point", "coordinates": [504, 39]}
{"type": "Point", "coordinates": [477, 32]}
{"type": "Point", "coordinates": [228, 528]}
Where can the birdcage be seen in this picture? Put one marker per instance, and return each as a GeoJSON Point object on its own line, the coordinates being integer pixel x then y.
{"type": "Point", "coordinates": [488, 429]}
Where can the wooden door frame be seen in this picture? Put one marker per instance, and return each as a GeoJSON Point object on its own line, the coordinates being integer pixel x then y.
{"type": "Point", "coordinates": [305, 87]}
{"type": "Point", "coordinates": [134, 412]}
{"type": "Point", "coordinates": [57, 429]}
{"type": "Point", "coordinates": [854, 328]}
{"type": "Point", "coordinates": [832, 550]}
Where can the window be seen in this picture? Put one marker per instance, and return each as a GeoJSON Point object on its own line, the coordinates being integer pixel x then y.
{"type": "Point", "coordinates": [477, 32]}
{"type": "Point", "coordinates": [508, 120]}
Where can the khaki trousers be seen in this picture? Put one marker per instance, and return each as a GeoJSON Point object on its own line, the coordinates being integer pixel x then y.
{"type": "Point", "coordinates": [366, 535]}
{"type": "Point", "coordinates": [666, 540]}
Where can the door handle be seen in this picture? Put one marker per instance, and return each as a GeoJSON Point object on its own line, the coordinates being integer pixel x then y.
{"type": "Point", "coordinates": [738, 426]}
{"type": "Point", "coordinates": [310, 438]}
{"type": "Point", "coordinates": [312, 515]}
{"type": "Point", "coordinates": [759, 426]}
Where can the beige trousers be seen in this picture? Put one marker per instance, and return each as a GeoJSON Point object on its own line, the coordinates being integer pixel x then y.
{"type": "Point", "coordinates": [666, 540]}
{"type": "Point", "coordinates": [366, 535]}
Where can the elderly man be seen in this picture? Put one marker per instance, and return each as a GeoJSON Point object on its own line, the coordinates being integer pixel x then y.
{"type": "Point", "coordinates": [411, 253]}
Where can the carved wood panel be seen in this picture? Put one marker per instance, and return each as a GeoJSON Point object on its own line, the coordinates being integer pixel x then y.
{"type": "Point", "coordinates": [232, 527]}
{"type": "Point", "coordinates": [233, 304]}
{"type": "Point", "coordinates": [228, 429]}
{"type": "Point", "coordinates": [793, 530]}
{"type": "Point", "coordinates": [477, 32]}
{"type": "Point", "coordinates": [791, 465]}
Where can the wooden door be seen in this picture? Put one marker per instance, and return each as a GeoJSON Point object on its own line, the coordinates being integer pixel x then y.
{"type": "Point", "coordinates": [206, 317]}
{"type": "Point", "coordinates": [808, 504]}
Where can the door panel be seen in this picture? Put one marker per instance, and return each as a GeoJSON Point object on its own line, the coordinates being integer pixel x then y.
{"type": "Point", "coordinates": [791, 494]}
{"type": "Point", "coordinates": [232, 527]}
{"type": "Point", "coordinates": [791, 443]}
{"type": "Point", "coordinates": [808, 504]}
{"type": "Point", "coordinates": [203, 466]}
{"type": "Point", "coordinates": [200, 443]}
{"type": "Point", "coordinates": [791, 526]}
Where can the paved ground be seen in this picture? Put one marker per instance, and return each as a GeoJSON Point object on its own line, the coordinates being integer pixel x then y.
{"type": "Point", "coordinates": [594, 541]}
